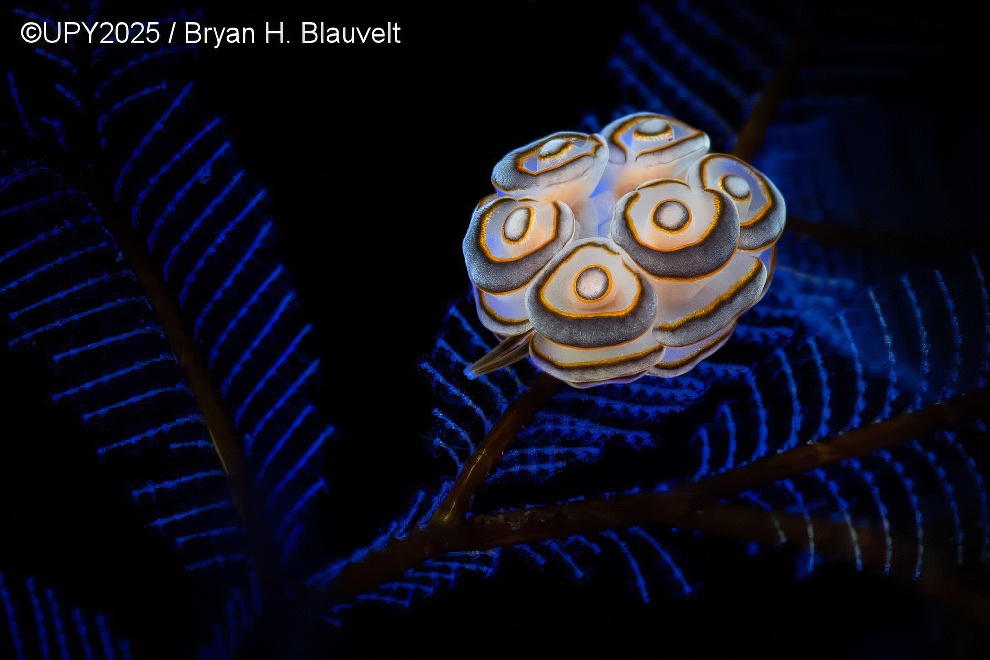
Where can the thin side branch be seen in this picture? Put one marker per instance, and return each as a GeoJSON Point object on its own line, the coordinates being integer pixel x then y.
{"type": "Point", "coordinates": [857, 442]}
{"type": "Point", "coordinates": [220, 424]}
{"type": "Point", "coordinates": [678, 506]}
{"type": "Point", "coordinates": [475, 472]}
{"type": "Point", "coordinates": [831, 539]}
{"type": "Point", "coordinates": [751, 135]}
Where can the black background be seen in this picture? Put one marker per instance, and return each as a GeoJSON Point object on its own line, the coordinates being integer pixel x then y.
{"type": "Point", "coordinates": [374, 157]}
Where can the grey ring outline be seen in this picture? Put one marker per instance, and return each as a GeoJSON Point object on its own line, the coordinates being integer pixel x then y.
{"type": "Point", "coordinates": [586, 332]}
{"type": "Point", "coordinates": [696, 329]}
{"type": "Point", "coordinates": [762, 233]}
{"type": "Point", "coordinates": [505, 276]}
{"type": "Point", "coordinates": [687, 263]}
{"type": "Point", "coordinates": [508, 178]}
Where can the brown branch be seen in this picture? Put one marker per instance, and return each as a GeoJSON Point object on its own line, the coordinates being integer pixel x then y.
{"type": "Point", "coordinates": [829, 538]}
{"type": "Point", "coordinates": [857, 442]}
{"type": "Point", "coordinates": [677, 506]}
{"type": "Point", "coordinates": [753, 132]}
{"type": "Point", "coordinates": [226, 440]}
{"type": "Point", "coordinates": [850, 237]}
{"type": "Point", "coordinates": [945, 586]}
{"type": "Point", "coordinates": [939, 578]}
{"type": "Point", "coordinates": [475, 472]}
{"type": "Point", "coordinates": [489, 531]}
{"type": "Point", "coordinates": [688, 506]}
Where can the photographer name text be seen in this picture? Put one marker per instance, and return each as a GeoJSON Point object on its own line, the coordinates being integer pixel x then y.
{"type": "Point", "coordinates": [196, 33]}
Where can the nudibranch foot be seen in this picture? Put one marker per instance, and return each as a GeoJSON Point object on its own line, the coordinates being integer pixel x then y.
{"type": "Point", "coordinates": [510, 350]}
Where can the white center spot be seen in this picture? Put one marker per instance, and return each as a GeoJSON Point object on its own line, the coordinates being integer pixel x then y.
{"type": "Point", "coordinates": [653, 127]}
{"type": "Point", "coordinates": [517, 223]}
{"type": "Point", "coordinates": [592, 283]}
{"type": "Point", "coordinates": [736, 186]}
{"type": "Point", "coordinates": [671, 215]}
{"type": "Point", "coordinates": [552, 147]}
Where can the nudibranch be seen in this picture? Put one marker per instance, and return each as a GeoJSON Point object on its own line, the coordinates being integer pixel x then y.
{"type": "Point", "coordinates": [608, 257]}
